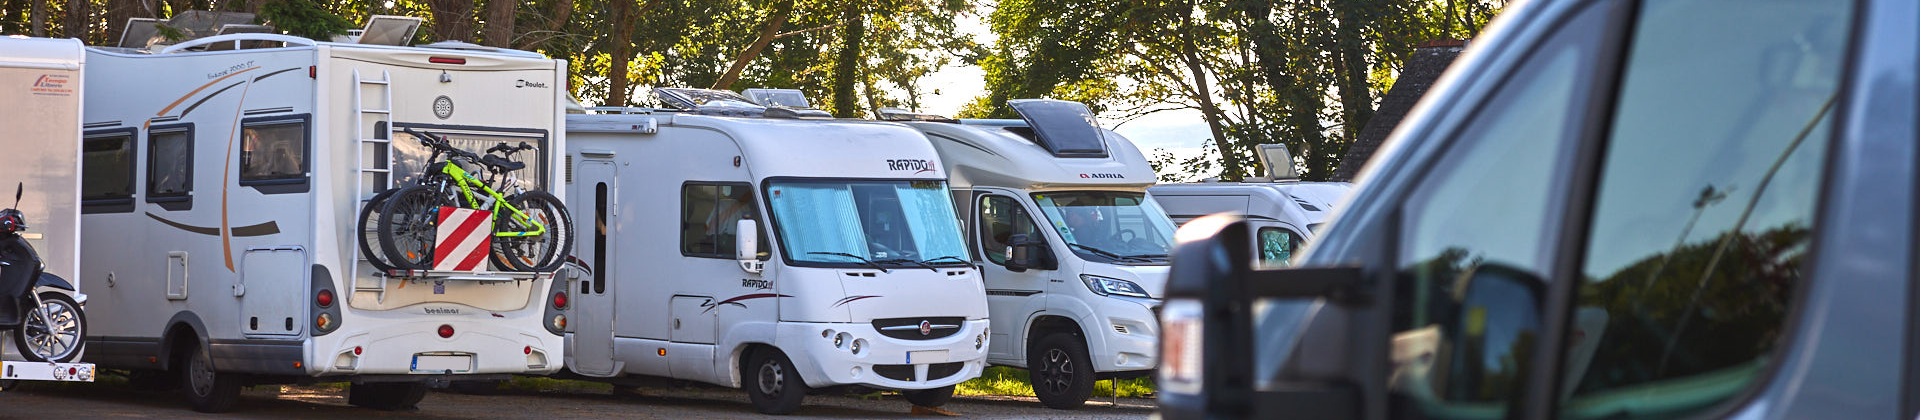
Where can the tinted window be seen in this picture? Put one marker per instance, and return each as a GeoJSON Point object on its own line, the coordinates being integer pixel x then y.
{"type": "Point", "coordinates": [107, 167]}
{"type": "Point", "coordinates": [273, 150]}
{"type": "Point", "coordinates": [169, 162]}
{"type": "Point", "coordinates": [1063, 127]}
{"type": "Point", "coordinates": [1705, 203]}
{"type": "Point", "coordinates": [710, 217]}
{"type": "Point", "coordinates": [1277, 246]}
{"type": "Point", "coordinates": [1475, 235]}
{"type": "Point", "coordinates": [1000, 219]}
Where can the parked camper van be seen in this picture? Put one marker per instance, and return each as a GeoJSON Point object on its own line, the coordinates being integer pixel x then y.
{"type": "Point", "coordinates": [40, 133]}
{"type": "Point", "coordinates": [223, 177]}
{"type": "Point", "coordinates": [768, 248]}
{"type": "Point", "coordinates": [1073, 249]}
{"type": "Point", "coordinates": [1283, 211]}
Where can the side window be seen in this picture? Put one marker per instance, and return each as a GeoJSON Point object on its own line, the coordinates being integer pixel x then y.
{"type": "Point", "coordinates": [273, 152]}
{"type": "Point", "coordinates": [1277, 246]}
{"type": "Point", "coordinates": [1475, 233]}
{"type": "Point", "coordinates": [1704, 204]}
{"type": "Point", "coordinates": [709, 219]}
{"type": "Point", "coordinates": [1000, 219]}
{"type": "Point", "coordinates": [106, 171]}
{"type": "Point", "coordinates": [169, 164]}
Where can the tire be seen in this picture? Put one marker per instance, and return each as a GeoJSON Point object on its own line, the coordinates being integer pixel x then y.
{"type": "Point", "coordinates": [1060, 371]}
{"type": "Point", "coordinates": [208, 390]}
{"type": "Point", "coordinates": [388, 396]}
{"type": "Point", "coordinates": [541, 253]}
{"type": "Point", "coordinates": [60, 343]}
{"type": "Point", "coordinates": [929, 397]}
{"type": "Point", "coordinates": [369, 230]}
{"type": "Point", "coordinates": [772, 383]}
{"type": "Point", "coordinates": [407, 223]}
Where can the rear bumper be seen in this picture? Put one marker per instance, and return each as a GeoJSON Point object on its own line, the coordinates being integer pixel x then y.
{"type": "Point", "coordinates": [416, 348]}
{"type": "Point", "coordinates": [823, 364]}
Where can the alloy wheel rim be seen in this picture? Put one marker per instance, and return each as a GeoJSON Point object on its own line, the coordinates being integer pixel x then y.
{"type": "Point", "coordinates": [57, 339]}
{"type": "Point", "coordinates": [1057, 371]}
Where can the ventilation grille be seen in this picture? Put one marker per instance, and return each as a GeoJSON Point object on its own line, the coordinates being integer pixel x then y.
{"type": "Point", "coordinates": [894, 372]}
{"type": "Point", "coordinates": [569, 169]}
{"type": "Point", "coordinates": [940, 371]}
{"type": "Point", "coordinates": [1120, 328]}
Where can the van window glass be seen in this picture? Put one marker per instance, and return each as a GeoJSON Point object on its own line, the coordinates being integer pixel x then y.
{"type": "Point", "coordinates": [898, 223]}
{"type": "Point", "coordinates": [1705, 202]}
{"type": "Point", "coordinates": [1475, 235]}
{"type": "Point", "coordinates": [169, 162]}
{"type": "Point", "coordinates": [1277, 246]}
{"type": "Point", "coordinates": [106, 167]}
{"type": "Point", "coordinates": [710, 219]}
{"type": "Point", "coordinates": [1110, 226]}
{"type": "Point", "coordinates": [1000, 219]}
{"type": "Point", "coordinates": [273, 150]}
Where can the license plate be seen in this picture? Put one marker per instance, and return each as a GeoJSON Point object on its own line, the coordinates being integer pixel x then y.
{"type": "Point", "coordinates": [926, 356]}
{"type": "Point", "coordinates": [425, 363]}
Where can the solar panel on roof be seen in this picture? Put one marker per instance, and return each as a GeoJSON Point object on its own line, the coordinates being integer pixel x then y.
{"type": "Point", "coordinates": [1064, 128]}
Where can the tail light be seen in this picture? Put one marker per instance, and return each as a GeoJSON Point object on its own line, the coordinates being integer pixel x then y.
{"type": "Point", "coordinates": [1180, 349]}
{"type": "Point", "coordinates": [446, 60]}
{"type": "Point", "coordinates": [324, 298]}
{"type": "Point", "coordinates": [446, 331]}
{"type": "Point", "coordinates": [560, 300]}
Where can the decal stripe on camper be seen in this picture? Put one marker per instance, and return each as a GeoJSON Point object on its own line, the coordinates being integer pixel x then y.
{"type": "Point", "coordinates": [463, 238]}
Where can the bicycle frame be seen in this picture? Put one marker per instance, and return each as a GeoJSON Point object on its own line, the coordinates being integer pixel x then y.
{"type": "Point", "coordinates": [467, 183]}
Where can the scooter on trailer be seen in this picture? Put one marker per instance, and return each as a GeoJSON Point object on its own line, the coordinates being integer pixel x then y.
{"type": "Point", "coordinates": [39, 309]}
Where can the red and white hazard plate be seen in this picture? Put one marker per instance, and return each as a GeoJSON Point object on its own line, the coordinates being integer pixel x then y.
{"type": "Point", "coordinates": [463, 240]}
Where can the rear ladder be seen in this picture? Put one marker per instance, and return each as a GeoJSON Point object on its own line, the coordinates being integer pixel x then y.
{"type": "Point", "coordinates": [379, 169]}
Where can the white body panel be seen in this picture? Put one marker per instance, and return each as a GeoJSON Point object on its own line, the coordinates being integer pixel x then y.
{"type": "Point", "coordinates": [40, 104]}
{"type": "Point", "coordinates": [985, 159]}
{"type": "Point", "coordinates": [238, 263]}
{"type": "Point", "coordinates": [1298, 206]}
{"type": "Point", "coordinates": [648, 309]}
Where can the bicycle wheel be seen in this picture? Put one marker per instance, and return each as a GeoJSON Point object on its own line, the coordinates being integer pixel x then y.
{"type": "Point", "coordinates": [369, 230]}
{"type": "Point", "coordinates": [539, 253]}
{"type": "Point", "coordinates": [407, 226]}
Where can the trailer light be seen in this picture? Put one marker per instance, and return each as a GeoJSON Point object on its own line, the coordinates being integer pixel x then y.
{"type": "Point", "coordinates": [446, 331]}
{"type": "Point", "coordinates": [356, 350]}
{"type": "Point", "coordinates": [560, 300]}
{"type": "Point", "coordinates": [559, 322]}
{"type": "Point", "coordinates": [324, 298]}
{"type": "Point", "coordinates": [446, 60]}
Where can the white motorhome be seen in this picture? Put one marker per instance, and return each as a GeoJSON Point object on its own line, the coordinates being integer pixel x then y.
{"type": "Point", "coordinates": [1283, 211]}
{"type": "Point", "coordinates": [40, 119]}
{"type": "Point", "coordinates": [1074, 301]}
{"type": "Point", "coordinates": [857, 274]}
{"type": "Point", "coordinates": [223, 177]}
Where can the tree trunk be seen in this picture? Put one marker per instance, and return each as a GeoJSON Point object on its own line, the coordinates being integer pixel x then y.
{"type": "Point", "coordinates": [452, 19]}
{"type": "Point", "coordinates": [500, 28]}
{"type": "Point", "coordinates": [768, 31]}
{"type": "Point", "coordinates": [846, 66]}
{"type": "Point", "coordinates": [561, 11]}
{"type": "Point", "coordinates": [1230, 167]}
{"type": "Point", "coordinates": [1356, 97]}
{"type": "Point", "coordinates": [79, 21]}
{"type": "Point", "coordinates": [618, 91]}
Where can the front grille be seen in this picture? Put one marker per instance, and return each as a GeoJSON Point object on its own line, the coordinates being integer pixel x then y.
{"type": "Point", "coordinates": [894, 372]}
{"type": "Point", "coordinates": [909, 328]}
{"type": "Point", "coordinates": [942, 370]}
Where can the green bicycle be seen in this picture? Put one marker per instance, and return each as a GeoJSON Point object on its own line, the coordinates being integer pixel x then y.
{"type": "Point", "coordinates": [531, 232]}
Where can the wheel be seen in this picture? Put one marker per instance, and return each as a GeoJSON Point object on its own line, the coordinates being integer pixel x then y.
{"type": "Point", "coordinates": [929, 397]}
{"type": "Point", "coordinates": [534, 253]}
{"type": "Point", "coordinates": [407, 226]}
{"type": "Point", "coordinates": [208, 391]}
{"type": "Point", "coordinates": [775, 386]}
{"type": "Point", "coordinates": [389, 396]}
{"type": "Point", "coordinates": [1061, 372]}
{"type": "Point", "coordinates": [59, 340]}
{"type": "Point", "coordinates": [370, 232]}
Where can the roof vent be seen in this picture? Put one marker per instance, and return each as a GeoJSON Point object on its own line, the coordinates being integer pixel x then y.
{"type": "Point", "coordinates": [1278, 161]}
{"type": "Point", "coordinates": [1064, 128]}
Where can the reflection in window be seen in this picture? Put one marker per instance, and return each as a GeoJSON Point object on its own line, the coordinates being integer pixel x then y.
{"type": "Point", "coordinates": [1276, 246]}
{"type": "Point", "coordinates": [1705, 203]}
{"type": "Point", "coordinates": [710, 219]}
{"type": "Point", "coordinates": [107, 167]}
{"type": "Point", "coordinates": [1000, 219]}
{"type": "Point", "coordinates": [273, 151]}
{"type": "Point", "coordinates": [170, 166]}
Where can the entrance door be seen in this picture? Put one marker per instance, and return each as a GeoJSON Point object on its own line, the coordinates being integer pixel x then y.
{"type": "Point", "coordinates": [595, 310]}
{"type": "Point", "coordinates": [998, 217]}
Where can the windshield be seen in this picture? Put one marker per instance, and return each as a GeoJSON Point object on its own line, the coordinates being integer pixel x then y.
{"type": "Point", "coordinates": [1117, 226]}
{"type": "Point", "coordinates": [866, 223]}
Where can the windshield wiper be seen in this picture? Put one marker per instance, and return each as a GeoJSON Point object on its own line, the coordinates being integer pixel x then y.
{"type": "Point", "coordinates": [863, 260]}
{"type": "Point", "coordinates": [949, 257]}
{"type": "Point", "coordinates": [909, 261]}
{"type": "Point", "coordinates": [1147, 256]}
{"type": "Point", "coordinates": [1105, 253]}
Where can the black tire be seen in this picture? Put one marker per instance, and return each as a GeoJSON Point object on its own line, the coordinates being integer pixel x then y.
{"type": "Point", "coordinates": [1060, 371]}
{"type": "Point", "coordinates": [369, 230]}
{"type": "Point", "coordinates": [541, 253]}
{"type": "Point", "coordinates": [407, 224]}
{"type": "Point", "coordinates": [208, 390]}
{"type": "Point", "coordinates": [63, 341]}
{"type": "Point", "coordinates": [772, 383]}
{"type": "Point", "coordinates": [388, 396]}
{"type": "Point", "coordinates": [929, 397]}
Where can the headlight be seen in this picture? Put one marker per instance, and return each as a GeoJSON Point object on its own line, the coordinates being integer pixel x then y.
{"type": "Point", "coordinates": [1180, 346]}
{"type": "Point", "coordinates": [1110, 286]}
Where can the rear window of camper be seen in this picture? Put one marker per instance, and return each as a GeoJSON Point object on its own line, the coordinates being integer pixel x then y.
{"type": "Point", "coordinates": [273, 150]}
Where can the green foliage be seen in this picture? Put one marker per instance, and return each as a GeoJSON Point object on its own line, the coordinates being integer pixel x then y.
{"type": "Point", "coordinates": [304, 18]}
{"type": "Point", "coordinates": [1002, 380]}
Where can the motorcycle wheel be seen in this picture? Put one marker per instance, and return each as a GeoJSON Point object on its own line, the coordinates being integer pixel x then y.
{"type": "Point", "coordinates": [57, 341]}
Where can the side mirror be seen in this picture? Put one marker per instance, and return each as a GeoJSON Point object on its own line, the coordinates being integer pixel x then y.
{"type": "Point", "coordinates": [746, 246]}
{"type": "Point", "coordinates": [1025, 252]}
{"type": "Point", "coordinates": [17, 189]}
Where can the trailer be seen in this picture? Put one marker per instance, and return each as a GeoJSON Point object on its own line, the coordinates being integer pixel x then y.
{"type": "Point", "coordinates": [223, 179]}
{"type": "Point", "coordinates": [40, 103]}
{"type": "Point", "coordinates": [857, 274]}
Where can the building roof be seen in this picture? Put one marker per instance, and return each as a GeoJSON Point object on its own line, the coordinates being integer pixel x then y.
{"type": "Point", "coordinates": [1428, 61]}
